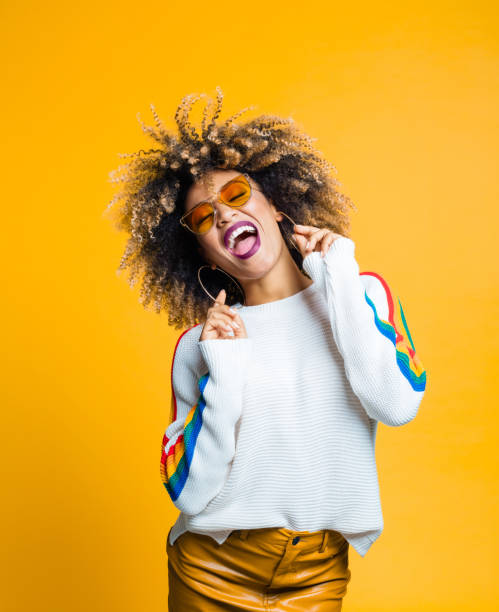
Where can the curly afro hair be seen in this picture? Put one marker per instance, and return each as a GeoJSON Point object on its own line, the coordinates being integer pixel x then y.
{"type": "Point", "coordinates": [272, 150]}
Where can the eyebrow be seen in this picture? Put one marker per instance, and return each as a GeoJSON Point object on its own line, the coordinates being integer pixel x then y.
{"type": "Point", "coordinates": [222, 187]}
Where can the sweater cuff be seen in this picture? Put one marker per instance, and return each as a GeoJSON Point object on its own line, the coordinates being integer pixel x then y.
{"type": "Point", "coordinates": [227, 359]}
{"type": "Point", "coordinates": [314, 263]}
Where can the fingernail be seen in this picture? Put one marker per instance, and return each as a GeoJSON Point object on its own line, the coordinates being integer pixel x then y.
{"type": "Point", "coordinates": [306, 246]}
{"type": "Point", "coordinates": [233, 310]}
{"type": "Point", "coordinates": [235, 324]}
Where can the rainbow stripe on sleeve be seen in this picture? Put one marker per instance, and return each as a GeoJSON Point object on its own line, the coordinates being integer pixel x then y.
{"type": "Point", "coordinates": [174, 467]}
{"type": "Point", "coordinates": [394, 329]}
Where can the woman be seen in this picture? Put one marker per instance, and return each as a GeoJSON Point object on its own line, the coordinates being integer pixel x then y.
{"type": "Point", "coordinates": [289, 360]}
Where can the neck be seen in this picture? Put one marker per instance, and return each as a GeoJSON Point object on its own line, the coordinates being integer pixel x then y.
{"type": "Point", "coordinates": [283, 280]}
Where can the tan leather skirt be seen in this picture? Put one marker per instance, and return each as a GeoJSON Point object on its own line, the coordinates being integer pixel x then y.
{"type": "Point", "coordinates": [258, 569]}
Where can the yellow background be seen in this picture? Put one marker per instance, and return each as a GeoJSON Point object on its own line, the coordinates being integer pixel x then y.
{"type": "Point", "coordinates": [403, 99]}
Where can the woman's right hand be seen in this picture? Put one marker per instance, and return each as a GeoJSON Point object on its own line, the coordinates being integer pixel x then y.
{"type": "Point", "coordinates": [221, 320]}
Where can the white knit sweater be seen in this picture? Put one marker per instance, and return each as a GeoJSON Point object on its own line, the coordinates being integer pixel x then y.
{"type": "Point", "coordinates": [278, 429]}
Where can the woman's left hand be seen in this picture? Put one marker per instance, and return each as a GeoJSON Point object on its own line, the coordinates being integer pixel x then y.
{"type": "Point", "coordinates": [309, 238]}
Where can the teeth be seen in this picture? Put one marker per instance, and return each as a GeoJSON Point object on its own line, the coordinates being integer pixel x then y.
{"type": "Point", "coordinates": [240, 230]}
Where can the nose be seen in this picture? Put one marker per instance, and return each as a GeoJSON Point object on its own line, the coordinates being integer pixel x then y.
{"type": "Point", "coordinates": [225, 214]}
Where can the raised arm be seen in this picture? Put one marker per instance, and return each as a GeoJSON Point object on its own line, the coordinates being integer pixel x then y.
{"type": "Point", "coordinates": [371, 333]}
{"type": "Point", "coordinates": [199, 443]}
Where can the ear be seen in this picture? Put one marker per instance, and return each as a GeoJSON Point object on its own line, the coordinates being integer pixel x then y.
{"type": "Point", "coordinates": [277, 215]}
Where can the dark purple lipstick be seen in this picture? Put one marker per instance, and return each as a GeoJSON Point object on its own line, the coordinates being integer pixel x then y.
{"type": "Point", "coordinates": [236, 245]}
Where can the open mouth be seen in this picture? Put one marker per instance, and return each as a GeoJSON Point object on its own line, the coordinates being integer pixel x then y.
{"type": "Point", "coordinates": [244, 240]}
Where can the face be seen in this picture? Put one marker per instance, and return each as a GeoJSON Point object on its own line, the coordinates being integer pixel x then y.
{"type": "Point", "coordinates": [257, 211]}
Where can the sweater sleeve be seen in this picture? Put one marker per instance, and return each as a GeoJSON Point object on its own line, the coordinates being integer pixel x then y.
{"type": "Point", "coordinates": [199, 443]}
{"type": "Point", "coordinates": [371, 333]}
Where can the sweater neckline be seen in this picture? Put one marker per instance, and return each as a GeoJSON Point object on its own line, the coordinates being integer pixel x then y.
{"type": "Point", "coordinates": [275, 305]}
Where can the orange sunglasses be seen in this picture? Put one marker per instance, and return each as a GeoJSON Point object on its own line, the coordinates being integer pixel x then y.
{"type": "Point", "coordinates": [235, 193]}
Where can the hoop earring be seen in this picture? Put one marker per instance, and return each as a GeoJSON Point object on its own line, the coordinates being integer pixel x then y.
{"type": "Point", "coordinates": [293, 242]}
{"type": "Point", "coordinates": [217, 268]}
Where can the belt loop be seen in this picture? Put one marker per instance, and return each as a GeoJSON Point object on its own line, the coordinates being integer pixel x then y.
{"type": "Point", "coordinates": [243, 534]}
{"type": "Point", "coordinates": [324, 541]}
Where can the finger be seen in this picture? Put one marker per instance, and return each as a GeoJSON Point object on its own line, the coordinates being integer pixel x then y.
{"type": "Point", "coordinates": [229, 326]}
{"type": "Point", "coordinates": [220, 327]}
{"type": "Point", "coordinates": [228, 310]}
{"type": "Point", "coordinates": [225, 335]}
{"type": "Point", "coordinates": [226, 320]}
{"type": "Point", "coordinates": [301, 241]}
{"type": "Point", "coordinates": [316, 236]}
{"type": "Point", "coordinates": [240, 332]}
{"type": "Point", "coordinates": [305, 229]}
{"type": "Point", "coordinates": [223, 308]}
{"type": "Point", "coordinates": [219, 303]}
{"type": "Point", "coordinates": [220, 299]}
{"type": "Point", "coordinates": [326, 243]}
{"type": "Point", "coordinates": [220, 306]}
{"type": "Point", "coordinates": [236, 318]}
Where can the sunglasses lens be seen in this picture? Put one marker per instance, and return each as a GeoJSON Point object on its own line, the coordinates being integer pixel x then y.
{"type": "Point", "coordinates": [201, 218]}
{"type": "Point", "coordinates": [236, 193]}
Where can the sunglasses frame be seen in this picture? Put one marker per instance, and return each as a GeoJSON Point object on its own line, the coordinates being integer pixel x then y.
{"type": "Point", "coordinates": [217, 199]}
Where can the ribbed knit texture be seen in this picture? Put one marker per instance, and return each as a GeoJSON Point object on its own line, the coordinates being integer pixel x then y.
{"type": "Point", "coordinates": [278, 429]}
